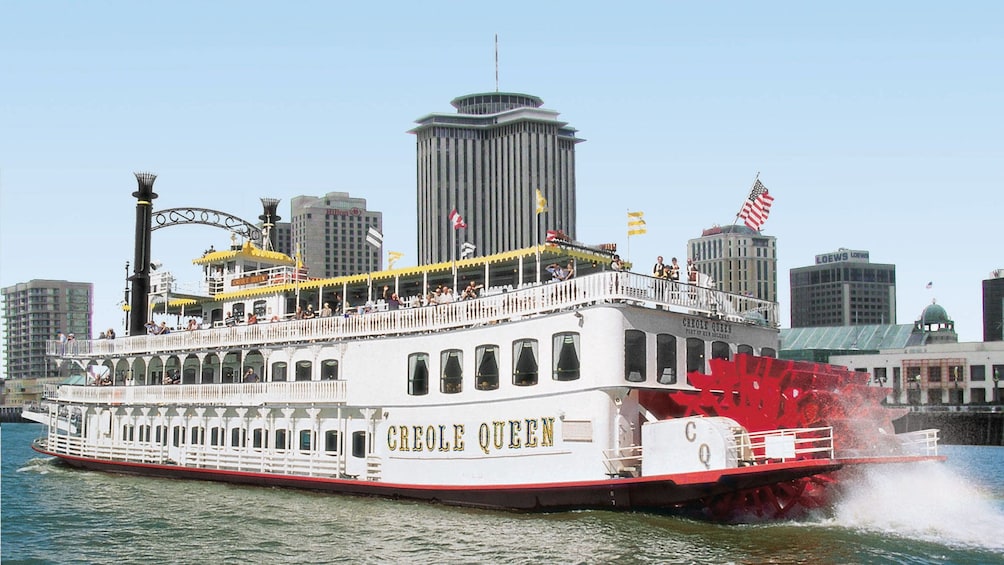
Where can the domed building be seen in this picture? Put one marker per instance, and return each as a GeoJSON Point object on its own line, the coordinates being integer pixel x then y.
{"type": "Point", "coordinates": [934, 326]}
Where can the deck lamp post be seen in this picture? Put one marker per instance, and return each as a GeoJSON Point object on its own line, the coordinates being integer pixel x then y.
{"type": "Point", "coordinates": [997, 379]}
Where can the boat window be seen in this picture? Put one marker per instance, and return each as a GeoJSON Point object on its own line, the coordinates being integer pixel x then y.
{"type": "Point", "coordinates": [279, 371]}
{"type": "Point", "coordinates": [665, 358]}
{"type": "Point", "coordinates": [303, 370]}
{"type": "Point", "coordinates": [452, 379]}
{"type": "Point", "coordinates": [144, 433]}
{"type": "Point", "coordinates": [238, 311]}
{"type": "Point", "coordinates": [565, 353]}
{"type": "Point", "coordinates": [768, 352]}
{"type": "Point", "coordinates": [695, 354]}
{"type": "Point", "coordinates": [161, 435]}
{"type": "Point", "coordinates": [259, 440]}
{"type": "Point", "coordinates": [216, 436]}
{"type": "Point", "coordinates": [198, 435]}
{"type": "Point", "coordinates": [487, 376]}
{"type": "Point", "coordinates": [306, 440]}
{"type": "Point", "coordinates": [178, 436]}
{"type": "Point", "coordinates": [418, 374]}
{"type": "Point", "coordinates": [332, 442]}
{"type": "Point", "coordinates": [634, 356]}
{"type": "Point", "coordinates": [720, 350]}
{"type": "Point", "coordinates": [238, 437]}
{"type": "Point", "coordinates": [329, 370]}
{"type": "Point", "coordinates": [744, 349]}
{"type": "Point", "coordinates": [359, 444]}
{"type": "Point", "coordinates": [524, 372]}
{"type": "Point", "coordinates": [128, 432]}
{"type": "Point", "coordinates": [282, 439]}
{"type": "Point", "coordinates": [259, 309]}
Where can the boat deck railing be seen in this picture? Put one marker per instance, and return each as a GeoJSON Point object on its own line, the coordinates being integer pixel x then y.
{"type": "Point", "coordinates": [920, 442]}
{"type": "Point", "coordinates": [749, 449]}
{"type": "Point", "coordinates": [613, 287]}
{"type": "Point", "coordinates": [226, 394]}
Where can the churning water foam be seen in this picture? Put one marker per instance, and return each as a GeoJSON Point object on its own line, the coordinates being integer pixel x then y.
{"type": "Point", "coordinates": [929, 502]}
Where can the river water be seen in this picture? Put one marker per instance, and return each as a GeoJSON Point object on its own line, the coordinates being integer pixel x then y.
{"type": "Point", "coordinates": [932, 513]}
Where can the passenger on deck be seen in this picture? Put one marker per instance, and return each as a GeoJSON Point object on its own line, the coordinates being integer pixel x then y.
{"type": "Point", "coordinates": [557, 273]}
{"type": "Point", "coordinates": [163, 330]}
{"type": "Point", "coordinates": [192, 324]}
{"type": "Point", "coordinates": [393, 303]}
{"type": "Point", "coordinates": [673, 271]}
{"type": "Point", "coordinates": [659, 270]}
{"type": "Point", "coordinates": [310, 312]}
{"type": "Point", "coordinates": [272, 317]}
{"type": "Point", "coordinates": [151, 328]}
{"type": "Point", "coordinates": [250, 376]}
{"type": "Point", "coordinates": [230, 319]}
{"type": "Point", "coordinates": [616, 264]}
{"type": "Point", "coordinates": [326, 311]}
{"type": "Point", "coordinates": [252, 319]}
{"type": "Point", "coordinates": [110, 334]}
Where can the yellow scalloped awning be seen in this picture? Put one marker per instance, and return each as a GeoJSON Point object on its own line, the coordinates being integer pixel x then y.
{"type": "Point", "coordinates": [248, 251]}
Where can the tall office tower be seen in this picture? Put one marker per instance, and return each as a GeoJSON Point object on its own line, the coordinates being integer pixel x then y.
{"type": "Point", "coordinates": [993, 306]}
{"type": "Point", "coordinates": [487, 161]}
{"type": "Point", "coordinates": [739, 259]}
{"type": "Point", "coordinates": [36, 311]}
{"type": "Point", "coordinates": [330, 232]}
{"type": "Point", "coordinates": [843, 289]}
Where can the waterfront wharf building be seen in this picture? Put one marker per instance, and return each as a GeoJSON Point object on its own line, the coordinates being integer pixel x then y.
{"type": "Point", "coordinates": [740, 260]}
{"type": "Point", "coordinates": [843, 289]}
{"type": "Point", "coordinates": [37, 311]}
{"type": "Point", "coordinates": [329, 233]}
{"type": "Point", "coordinates": [993, 306]}
{"type": "Point", "coordinates": [487, 161]}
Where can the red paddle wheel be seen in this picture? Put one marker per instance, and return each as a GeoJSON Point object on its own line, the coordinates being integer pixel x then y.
{"type": "Point", "coordinates": [762, 393]}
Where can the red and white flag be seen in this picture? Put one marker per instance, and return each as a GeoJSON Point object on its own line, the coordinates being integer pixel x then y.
{"type": "Point", "coordinates": [457, 220]}
{"type": "Point", "coordinates": [757, 206]}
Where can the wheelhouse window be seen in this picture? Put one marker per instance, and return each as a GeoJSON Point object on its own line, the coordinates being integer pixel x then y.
{"type": "Point", "coordinates": [665, 358]}
{"type": "Point", "coordinates": [329, 370]}
{"type": "Point", "coordinates": [279, 371]}
{"type": "Point", "coordinates": [720, 350]}
{"type": "Point", "coordinates": [565, 356]}
{"type": "Point", "coordinates": [487, 375]}
{"type": "Point", "coordinates": [768, 352]}
{"type": "Point", "coordinates": [695, 354]}
{"type": "Point", "coordinates": [634, 356]}
{"type": "Point", "coordinates": [418, 374]}
{"type": "Point", "coordinates": [744, 349]}
{"type": "Point", "coordinates": [303, 370]}
{"type": "Point", "coordinates": [525, 369]}
{"type": "Point", "coordinates": [452, 379]}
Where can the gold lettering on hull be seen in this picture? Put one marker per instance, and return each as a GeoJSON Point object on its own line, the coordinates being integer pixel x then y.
{"type": "Point", "coordinates": [493, 437]}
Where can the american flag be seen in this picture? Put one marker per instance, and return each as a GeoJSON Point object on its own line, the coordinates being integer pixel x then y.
{"type": "Point", "coordinates": [457, 220]}
{"type": "Point", "coordinates": [757, 206]}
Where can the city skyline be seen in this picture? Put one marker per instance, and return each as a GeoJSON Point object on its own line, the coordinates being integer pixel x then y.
{"type": "Point", "coordinates": [873, 126]}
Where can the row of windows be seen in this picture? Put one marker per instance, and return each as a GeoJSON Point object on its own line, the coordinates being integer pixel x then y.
{"type": "Point", "coordinates": [565, 364]}
{"type": "Point", "coordinates": [260, 438]}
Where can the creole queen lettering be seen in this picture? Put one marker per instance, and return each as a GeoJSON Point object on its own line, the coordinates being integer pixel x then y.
{"type": "Point", "coordinates": [493, 437]}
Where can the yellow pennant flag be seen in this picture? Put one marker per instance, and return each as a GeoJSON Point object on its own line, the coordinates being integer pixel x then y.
{"type": "Point", "coordinates": [541, 202]}
{"type": "Point", "coordinates": [636, 223]}
{"type": "Point", "coordinates": [393, 256]}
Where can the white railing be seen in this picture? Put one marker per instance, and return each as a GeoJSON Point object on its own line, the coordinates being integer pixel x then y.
{"type": "Point", "coordinates": [281, 462]}
{"type": "Point", "coordinates": [749, 449]}
{"type": "Point", "coordinates": [517, 304]}
{"type": "Point", "coordinates": [920, 442]}
{"type": "Point", "coordinates": [230, 394]}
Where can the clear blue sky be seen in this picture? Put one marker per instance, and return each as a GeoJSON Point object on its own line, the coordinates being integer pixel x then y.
{"type": "Point", "coordinates": [876, 126]}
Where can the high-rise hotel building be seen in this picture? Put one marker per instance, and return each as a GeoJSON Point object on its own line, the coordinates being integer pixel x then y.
{"type": "Point", "coordinates": [329, 232]}
{"type": "Point", "coordinates": [739, 259]}
{"type": "Point", "coordinates": [993, 306]}
{"type": "Point", "coordinates": [843, 288]}
{"type": "Point", "coordinates": [37, 311]}
{"type": "Point", "coordinates": [487, 161]}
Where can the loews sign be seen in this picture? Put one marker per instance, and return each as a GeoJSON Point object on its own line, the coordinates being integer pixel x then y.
{"type": "Point", "coordinates": [840, 255]}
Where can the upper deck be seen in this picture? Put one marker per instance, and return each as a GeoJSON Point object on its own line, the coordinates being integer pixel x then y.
{"type": "Point", "coordinates": [496, 307]}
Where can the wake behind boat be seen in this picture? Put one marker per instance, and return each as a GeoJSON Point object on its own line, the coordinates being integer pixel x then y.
{"type": "Point", "coordinates": [591, 392]}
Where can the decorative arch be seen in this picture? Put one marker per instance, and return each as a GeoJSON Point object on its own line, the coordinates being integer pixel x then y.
{"type": "Point", "coordinates": [205, 216]}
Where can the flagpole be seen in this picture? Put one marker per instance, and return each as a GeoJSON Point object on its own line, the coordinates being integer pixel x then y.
{"type": "Point", "coordinates": [536, 217]}
{"type": "Point", "coordinates": [736, 220]}
{"type": "Point", "coordinates": [453, 254]}
{"type": "Point", "coordinates": [628, 254]}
